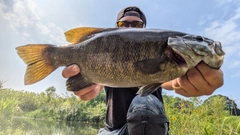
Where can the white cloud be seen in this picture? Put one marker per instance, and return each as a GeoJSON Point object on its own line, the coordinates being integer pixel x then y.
{"type": "Point", "coordinates": [25, 34]}
{"type": "Point", "coordinates": [205, 19]}
{"type": "Point", "coordinates": [22, 13]}
{"type": "Point", "coordinates": [224, 2]}
{"type": "Point", "coordinates": [237, 15]}
{"type": "Point", "coordinates": [57, 34]}
{"type": "Point", "coordinates": [231, 50]}
{"type": "Point", "coordinates": [43, 29]}
{"type": "Point", "coordinates": [51, 30]}
{"type": "Point", "coordinates": [228, 32]}
{"type": "Point", "coordinates": [24, 17]}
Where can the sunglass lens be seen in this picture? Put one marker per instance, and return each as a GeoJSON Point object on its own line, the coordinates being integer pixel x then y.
{"type": "Point", "coordinates": [135, 24]}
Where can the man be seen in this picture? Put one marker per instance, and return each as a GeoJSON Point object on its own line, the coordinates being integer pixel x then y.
{"type": "Point", "coordinates": [201, 80]}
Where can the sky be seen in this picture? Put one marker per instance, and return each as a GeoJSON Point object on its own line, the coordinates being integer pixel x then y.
{"type": "Point", "coordinates": [34, 21]}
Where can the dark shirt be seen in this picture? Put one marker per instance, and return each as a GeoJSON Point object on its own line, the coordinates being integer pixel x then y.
{"type": "Point", "coordinates": [118, 101]}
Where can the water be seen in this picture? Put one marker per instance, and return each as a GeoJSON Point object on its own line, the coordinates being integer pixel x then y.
{"type": "Point", "coordinates": [24, 126]}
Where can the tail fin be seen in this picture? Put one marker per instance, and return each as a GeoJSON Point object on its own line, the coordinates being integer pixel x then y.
{"type": "Point", "coordinates": [38, 66]}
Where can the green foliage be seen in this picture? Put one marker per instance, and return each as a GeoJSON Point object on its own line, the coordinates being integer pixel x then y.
{"type": "Point", "coordinates": [52, 106]}
{"type": "Point", "coordinates": [186, 116]}
{"type": "Point", "coordinates": [192, 116]}
{"type": "Point", "coordinates": [8, 107]}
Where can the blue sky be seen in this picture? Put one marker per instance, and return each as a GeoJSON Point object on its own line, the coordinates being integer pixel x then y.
{"type": "Point", "coordinates": [45, 21]}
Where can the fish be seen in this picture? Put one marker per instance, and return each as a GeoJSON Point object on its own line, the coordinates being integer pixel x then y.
{"type": "Point", "coordinates": [121, 57]}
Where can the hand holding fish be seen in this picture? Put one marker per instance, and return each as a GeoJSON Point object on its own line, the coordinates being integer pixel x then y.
{"type": "Point", "coordinates": [86, 93]}
{"type": "Point", "coordinates": [198, 81]}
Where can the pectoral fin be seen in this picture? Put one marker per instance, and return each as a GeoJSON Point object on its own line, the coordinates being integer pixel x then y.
{"type": "Point", "coordinates": [77, 82]}
{"type": "Point", "coordinates": [148, 89]}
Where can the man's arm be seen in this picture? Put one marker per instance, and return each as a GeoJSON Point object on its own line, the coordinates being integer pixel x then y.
{"type": "Point", "coordinates": [198, 81]}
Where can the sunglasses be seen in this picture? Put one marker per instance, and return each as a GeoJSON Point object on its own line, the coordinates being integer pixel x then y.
{"type": "Point", "coordinates": [135, 24]}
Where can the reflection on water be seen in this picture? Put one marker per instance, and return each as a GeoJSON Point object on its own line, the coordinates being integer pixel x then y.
{"type": "Point", "coordinates": [43, 127]}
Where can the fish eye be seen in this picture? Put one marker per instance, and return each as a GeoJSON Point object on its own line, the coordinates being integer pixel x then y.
{"type": "Point", "coordinates": [199, 38]}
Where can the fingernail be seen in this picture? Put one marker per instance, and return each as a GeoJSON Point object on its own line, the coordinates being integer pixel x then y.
{"type": "Point", "coordinates": [75, 68]}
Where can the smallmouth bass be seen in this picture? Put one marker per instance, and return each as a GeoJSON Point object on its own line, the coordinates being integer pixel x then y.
{"type": "Point", "coordinates": [121, 57]}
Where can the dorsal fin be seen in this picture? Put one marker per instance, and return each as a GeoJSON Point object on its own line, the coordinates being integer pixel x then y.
{"type": "Point", "coordinates": [80, 34]}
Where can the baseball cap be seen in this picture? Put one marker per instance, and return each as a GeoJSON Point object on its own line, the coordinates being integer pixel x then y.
{"type": "Point", "coordinates": [126, 12]}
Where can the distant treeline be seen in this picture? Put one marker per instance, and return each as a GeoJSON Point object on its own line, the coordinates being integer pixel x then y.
{"type": "Point", "coordinates": [49, 105]}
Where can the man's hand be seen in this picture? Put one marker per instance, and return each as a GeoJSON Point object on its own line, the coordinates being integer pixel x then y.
{"type": "Point", "coordinates": [86, 93]}
{"type": "Point", "coordinates": [198, 81]}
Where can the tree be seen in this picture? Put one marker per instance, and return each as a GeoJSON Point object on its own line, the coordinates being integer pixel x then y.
{"type": "Point", "coordinates": [1, 83]}
{"type": "Point", "coordinates": [50, 91]}
{"type": "Point", "coordinates": [229, 104]}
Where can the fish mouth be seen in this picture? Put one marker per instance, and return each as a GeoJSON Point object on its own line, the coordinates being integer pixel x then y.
{"type": "Point", "coordinates": [178, 58]}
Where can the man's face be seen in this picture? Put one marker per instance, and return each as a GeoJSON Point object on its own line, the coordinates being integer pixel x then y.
{"type": "Point", "coordinates": [130, 21]}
